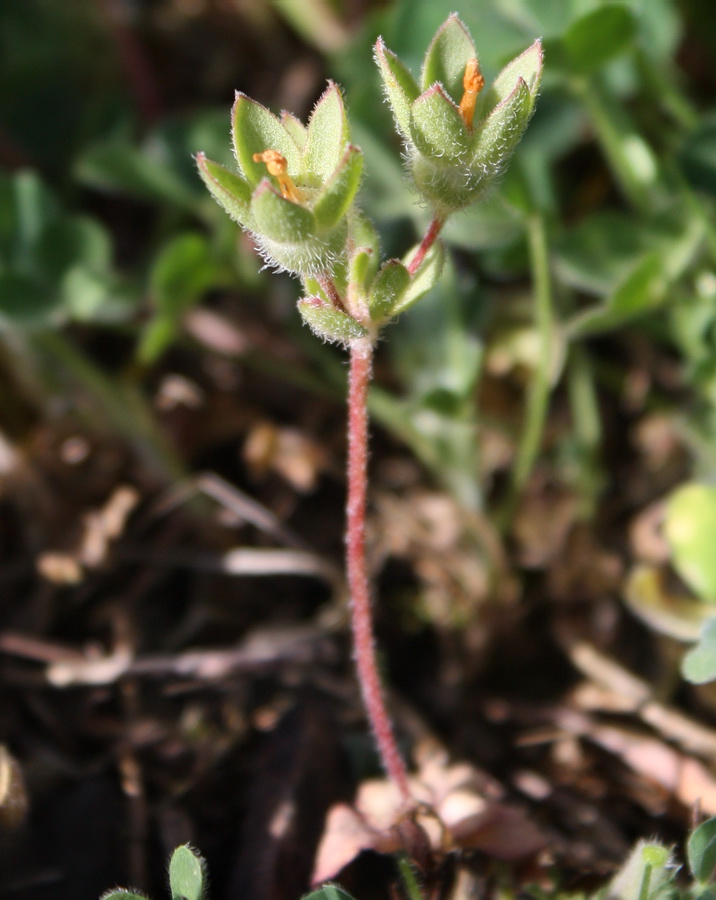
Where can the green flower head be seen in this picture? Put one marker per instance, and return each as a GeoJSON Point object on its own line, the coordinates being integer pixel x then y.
{"type": "Point", "coordinates": [459, 137]}
{"type": "Point", "coordinates": [295, 183]}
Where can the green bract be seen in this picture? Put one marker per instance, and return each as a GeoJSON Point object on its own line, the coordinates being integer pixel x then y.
{"type": "Point", "coordinates": [453, 160]}
{"type": "Point", "coordinates": [304, 234]}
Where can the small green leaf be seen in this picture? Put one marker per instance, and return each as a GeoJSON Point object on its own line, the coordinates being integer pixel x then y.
{"type": "Point", "coordinates": [642, 290]}
{"type": "Point", "coordinates": [400, 87]}
{"type": "Point", "coordinates": [701, 850]}
{"type": "Point", "coordinates": [327, 136]}
{"type": "Point", "coordinates": [699, 664]}
{"type": "Point", "coordinates": [182, 270]}
{"type": "Point", "coordinates": [230, 192]}
{"type": "Point", "coordinates": [329, 323]}
{"type": "Point", "coordinates": [436, 126]}
{"type": "Point", "coordinates": [387, 290]}
{"type": "Point", "coordinates": [186, 874]}
{"type": "Point", "coordinates": [690, 529]}
{"type": "Point", "coordinates": [599, 36]}
{"type": "Point", "coordinates": [339, 193]}
{"type": "Point", "coordinates": [424, 279]}
{"type": "Point", "coordinates": [280, 219]}
{"type": "Point", "coordinates": [256, 129]}
{"type": "Point", "coordinates": [447, 56]}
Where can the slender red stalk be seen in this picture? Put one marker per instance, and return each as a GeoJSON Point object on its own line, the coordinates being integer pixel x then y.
{"type": "Point", "coordinates": [361, 362]}
{"type": "Point", "coordinates": [426, 243]}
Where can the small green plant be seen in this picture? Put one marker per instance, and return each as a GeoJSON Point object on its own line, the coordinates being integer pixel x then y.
{"type": "Point", "coordinates": [187, 878]}
{"type": "Point", "coordinates": [295, 193]}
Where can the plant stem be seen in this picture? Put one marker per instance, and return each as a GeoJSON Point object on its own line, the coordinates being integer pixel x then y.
{"type": "Point", "coordinates": [361, 361]}
{"type": "Point", "coordinates": [426, 243]}
{"type": "Point", "coordinates": [538, 397]}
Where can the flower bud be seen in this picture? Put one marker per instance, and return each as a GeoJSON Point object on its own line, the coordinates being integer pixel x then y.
{"type": "Point", "coordinates": [459, 138]}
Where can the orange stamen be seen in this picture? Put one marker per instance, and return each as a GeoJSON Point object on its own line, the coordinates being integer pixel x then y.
{"type": "Point", "coordinates": [473, 83]}
{"type": "Point", "coordinates": [277, 166]}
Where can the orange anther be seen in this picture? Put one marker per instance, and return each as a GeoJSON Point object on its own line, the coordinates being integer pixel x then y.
{"type": "Point", "coordinates": [277, 166]}
{"type": "Point", "coordinates": [472, 82]}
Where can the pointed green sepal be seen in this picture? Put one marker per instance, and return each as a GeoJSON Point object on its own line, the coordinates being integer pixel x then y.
{"type": "Point", "coordinates": [447, 56]}
{"type": "Point", "coordinates": [336, 197]}
{"type": "Point", "coordinates": [362, 268]}
{"type": "Point", "coordinates": [388, 290]}
{"type": "Point", "coordinates": [496, 140]}
{"type": "Point", "coordinates": [255, 129]}
{"type": "Point", "coordinates": [401, 88]}
{"type": "Point", "coordinates": [329, 323]}
{"type": "Point", "coordinates": [230, 191]}
{"type": "Point", "coordinates": [295, 128]}
{"type": "Point", "coordinates": [279, 219]}
{"type": "Point", "coordinates": [364, 256]}
{"type": "Point", "coordinates": [327, 135]}
{"type": "Point", "coordinates": [527, 66]}
{"type": "Point", "coordinates": [424, 279]}
{"type": "Point", "coordinates": [436, 126]}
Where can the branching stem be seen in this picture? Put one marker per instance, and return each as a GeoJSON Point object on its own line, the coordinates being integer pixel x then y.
{"type": "Point", "coordinates": [361, 364]}
{"type": "Point", "coordinates": [425, 245]}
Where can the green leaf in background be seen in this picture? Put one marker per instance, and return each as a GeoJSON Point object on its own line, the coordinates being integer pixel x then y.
{"type": "Point", "coordinates": [598, 37]}
{"type": "Point", "coordinates": [72, 241]}
{"type": "Point", "coordinates": [699, 664]}
{"type": "Point", "coordinates": [115, 165]}
{"type": "Point", "coordinates": [643, 290]}
{"type": "Point", "coordinates": [690, 529]}
{"type": "Point", "coordinates": [27, 208]}
{"type": "Point", "coordinates": [698, 156]}
{"type": "Point", "coordinates": [26, 302]}
{"type": "Point", "coordinates": [186, 874]}
{"type": "Point", "coordinates": [701, 851]}
{"type": "Point", "coordinates": [183, 270]}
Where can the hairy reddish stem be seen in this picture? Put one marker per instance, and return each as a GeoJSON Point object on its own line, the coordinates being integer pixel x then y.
{"type": "Point", "coordinates": [426, 243]}
{"type": "Point", "coordinates": [361, 361]}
